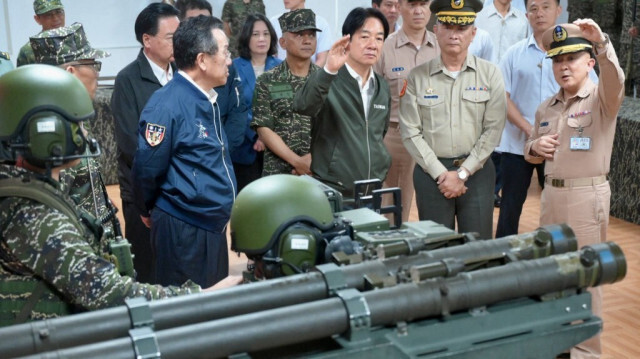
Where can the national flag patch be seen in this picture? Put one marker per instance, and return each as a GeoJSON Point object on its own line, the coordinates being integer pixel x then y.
{"type": "Point", "coordinates": [154, 134]}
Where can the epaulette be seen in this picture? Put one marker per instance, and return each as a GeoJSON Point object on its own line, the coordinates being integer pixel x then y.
{"type": "Point", "coordinates": [5, 55]}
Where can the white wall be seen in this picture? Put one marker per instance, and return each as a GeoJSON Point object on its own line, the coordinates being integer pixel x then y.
{"type": "Point", "coordinates": [109, 23]}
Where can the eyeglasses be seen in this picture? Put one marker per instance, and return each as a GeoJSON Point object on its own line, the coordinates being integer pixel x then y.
{"type": "Point", "coordinates": [97, 65]}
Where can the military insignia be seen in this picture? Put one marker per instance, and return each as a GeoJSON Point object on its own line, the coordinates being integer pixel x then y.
{"type": "Point", "coordinates": [457, 4]}
{"type": "Point", "coordinates": [559, 34]}
{"type": "Point", "coordinates": [154, 134]}
{"type": "Point", "coordinates": [404, 88]}
{"type": "Point", "coordinates": [579, 114]}
{"type": "Point", "coordinates": [544, 124]}
{"type": "Point", "coordinates": [397, 69]}
{"type": "Point", "coordinates": [5, 55]}
{"type": "Point", "coordinates": [429, 91]}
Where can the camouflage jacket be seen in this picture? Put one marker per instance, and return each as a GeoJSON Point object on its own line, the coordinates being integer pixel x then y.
{"type": "Point", "coordinates": [82, 183]}
{"type": "Point", "coordinates": [273, 108]}
{"type": "Point", "coordinates": [26, 55]}
{"type": "Point", "coordinates": [41, 245]}
{"type": "Point", "coordinates": [235, 13]}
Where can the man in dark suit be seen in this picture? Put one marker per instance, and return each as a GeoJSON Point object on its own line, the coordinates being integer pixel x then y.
{"type": "Point", "coordinates": [134, 85]}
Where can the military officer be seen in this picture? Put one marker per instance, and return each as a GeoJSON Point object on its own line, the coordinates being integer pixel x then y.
{"type": "Point", "coordinates": [451, 118]}
{"type": "Point", "coordinates": [50, 15]}
{"type": "Point", "coordinates": [286, 133]}
{"type": "Point", "coordinates": [51, 263]}
{"type": "Point", "coordinates": [234, 13]}
{"type": "Point", "coordinates": [573, 133]}
{"type": "Point", "coordinates": [403, 50]}
{"type": "Point", "coordinates": [5, 63]}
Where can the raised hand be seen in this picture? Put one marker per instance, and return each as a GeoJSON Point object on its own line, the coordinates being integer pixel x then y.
{"type": "Point", "coordinates": [338, 54]}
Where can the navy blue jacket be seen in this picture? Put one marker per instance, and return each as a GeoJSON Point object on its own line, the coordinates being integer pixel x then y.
{"type": "Point", "coordinates": [182, 164]}
{"type": "Point", "coordinates": [233, 110]}
{"type": "Point", "coordinates": [244, 154]}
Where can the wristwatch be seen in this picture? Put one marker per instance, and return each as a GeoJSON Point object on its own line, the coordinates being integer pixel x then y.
{"type": "Point", "coordinates": [602, 44]}
{"type": "Point", "coordinates": [463, 175]}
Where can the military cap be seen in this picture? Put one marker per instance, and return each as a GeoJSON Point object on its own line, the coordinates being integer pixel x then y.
{"type": "Point", "coordinates": [43, 6]}
{"type": "Point", "coordinates": [64, 44]}
{"type": "Point", "coordinates": [564, 39]}
{"type": "Point", "coordinates": [456, 12]}
{"type": "Point", "coordinates": [298, 20]}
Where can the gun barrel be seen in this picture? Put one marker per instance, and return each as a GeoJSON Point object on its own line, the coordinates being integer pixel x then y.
{"type": "Point", "coordinates": [26, 339]}
{"type": "Point", "coordinates": [596, 265]}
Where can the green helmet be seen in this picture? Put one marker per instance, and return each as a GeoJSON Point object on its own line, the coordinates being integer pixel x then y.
{"type": "Point", "coordinates": [280, 218]}
{"type": "Point", "coordinates": [41, 108]}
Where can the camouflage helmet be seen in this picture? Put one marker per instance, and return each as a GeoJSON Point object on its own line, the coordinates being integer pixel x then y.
{"type": "Point", "coordinates": [41, 108]}
{"type": "Point", "coordinates": [268, 205]}
{"type": "Point", "coordinates": [64, 44]}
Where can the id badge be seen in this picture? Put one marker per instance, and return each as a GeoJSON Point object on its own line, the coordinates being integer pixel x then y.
{"type": "Point", "coordinates": [580, 143]}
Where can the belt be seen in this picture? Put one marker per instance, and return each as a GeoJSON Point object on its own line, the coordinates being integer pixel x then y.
{"type": "Point", "coordinates": [394, 124]}
{"type": "Point", "coordinates": [457, 162]}
{"type": "Point", "coordinates": [575, 182]}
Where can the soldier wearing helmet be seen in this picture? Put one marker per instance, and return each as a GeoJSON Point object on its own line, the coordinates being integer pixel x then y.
{"type": "Point", "coordinates": [50, 260]}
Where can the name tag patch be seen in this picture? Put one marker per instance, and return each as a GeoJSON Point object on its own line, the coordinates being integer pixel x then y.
{"type": "Point", "coordinates": [397, 69]}
{"type": "Point", "coordinates": [379, 107]}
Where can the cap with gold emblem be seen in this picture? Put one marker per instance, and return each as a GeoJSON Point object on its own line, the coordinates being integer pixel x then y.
{"type": "Point", "coordinates": [456, 12]}
{"type": "Point", "coordinates": [564, 39]}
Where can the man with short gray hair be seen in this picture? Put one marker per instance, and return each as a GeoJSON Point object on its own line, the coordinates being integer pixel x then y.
{"type": "Point", "coordinates": [182, 167]}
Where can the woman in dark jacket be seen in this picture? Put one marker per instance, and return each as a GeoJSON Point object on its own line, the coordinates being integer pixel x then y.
{"type": "Point", "coordinates": [257, 46]}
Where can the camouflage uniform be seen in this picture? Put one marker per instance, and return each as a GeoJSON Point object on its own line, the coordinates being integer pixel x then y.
{"type": "Point", "coordinates": [273, 108]}
{"type": "Point", "coordinates": [41, 248]}
{"type": "Point", "coordinates": [83, 182]}
{"type": "Point", "coordinates": [26, 56]}
{"type": "Point", "coordinates": [235, 12]}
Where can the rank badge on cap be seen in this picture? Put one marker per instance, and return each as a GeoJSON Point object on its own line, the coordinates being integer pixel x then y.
{"type": "Point", "coordinates": [154, 134]}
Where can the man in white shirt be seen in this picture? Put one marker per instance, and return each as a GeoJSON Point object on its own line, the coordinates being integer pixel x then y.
{"type": "Point", "coordinates": [506, 24]}
{"type": "Point", "coordinates": [324, 39]}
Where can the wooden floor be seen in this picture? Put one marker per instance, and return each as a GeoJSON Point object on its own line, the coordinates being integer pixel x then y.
{"type": "Point", "coordinates": [621, 335]}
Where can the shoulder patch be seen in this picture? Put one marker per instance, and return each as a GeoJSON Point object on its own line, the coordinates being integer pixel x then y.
{"type": "Point", "coordinates": [154, 134]}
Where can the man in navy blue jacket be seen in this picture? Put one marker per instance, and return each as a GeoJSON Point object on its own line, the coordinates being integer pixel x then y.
{"type": "Point", "coordinates": [182, 167]}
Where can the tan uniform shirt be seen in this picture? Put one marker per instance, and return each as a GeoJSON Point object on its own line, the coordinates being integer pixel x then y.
{"type": "Point", "coordinates": [594, 109]}
{"type": "Point", "coordinates": [443, 116]}
{"type": "Point", "coordinates": [399, 56]}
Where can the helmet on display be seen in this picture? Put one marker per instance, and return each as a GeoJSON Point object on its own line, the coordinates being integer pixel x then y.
{"type": "Point", "coordinates": [280, 219]}
{"type": "Point", "coordinates": [41, 110]}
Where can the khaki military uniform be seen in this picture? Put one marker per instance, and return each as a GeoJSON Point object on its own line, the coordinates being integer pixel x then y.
{"type": "Point", "coordinates": [449, 122]}
{"type": "Point", "coordinates": [399, 56]}
{"type": "Point", "coordinates": [273, 108]}
{"type": "Point", "coordinates": [577, 191]}
{"type": "Point", "coordinates": [235, 13]}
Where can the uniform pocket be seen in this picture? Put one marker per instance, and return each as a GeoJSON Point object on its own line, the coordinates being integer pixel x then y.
{"type": "Point", "coordinates": [432, 111]}
{"type": "Point", "coordinates": [580, 121]}
{"type": "Point", "coordinates": [477, 99]}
